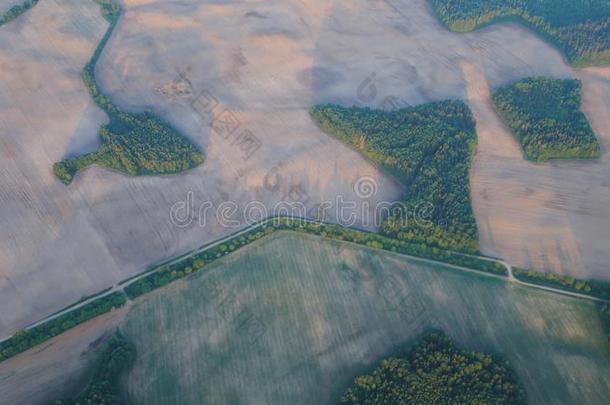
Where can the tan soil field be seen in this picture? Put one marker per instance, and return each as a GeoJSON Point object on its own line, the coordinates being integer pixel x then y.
{"type": "Point", "coordinates": [268, 62]}
{"type": "Point", "coordinates": [59, 367]}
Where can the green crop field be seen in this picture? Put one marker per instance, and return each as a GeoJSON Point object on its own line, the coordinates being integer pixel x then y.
{"type": "Point", "coordinates": [294, 318]}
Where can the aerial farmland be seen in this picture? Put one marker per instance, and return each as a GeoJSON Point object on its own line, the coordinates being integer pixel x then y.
{"type": "Point", "coordinates": [146, 144]}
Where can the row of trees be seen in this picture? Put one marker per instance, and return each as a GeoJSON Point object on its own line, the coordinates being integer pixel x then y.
{"type": "Point", "coordinates": [580, 28]}
{"type": "Point", "coordinates": [545, 115]}
{"type": "Point", "coordinates": [165, 274]}
{"type": "Point", "coordinates": [435, 371]}
{"type": "Point", "coordinates": [182, 268]}
{"type": "Point", "coordinates": [16, 11]}
{"type": "Point", "coordinates": [428, 147]}
{"type": "Point", "coordinates": [26, 339]}
{"type": "Point", "coordinates": [136, 144]}
{"type": "Point", "coordinates": [115, 358]}
{"type": "Point", "coordinates": [594, 288]}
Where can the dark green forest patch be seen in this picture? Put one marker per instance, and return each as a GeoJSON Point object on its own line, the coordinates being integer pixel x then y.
{"type": "Point", "coordinates": [545, 115]}
{"type": "Point", "coordinates": [435, 371]}
{"type": "Point", "coordinates": [579, 28]}
{"type": "Point", "coordinates": [429, 148]}
{"type": "Point", "coordinates": [135, 144]}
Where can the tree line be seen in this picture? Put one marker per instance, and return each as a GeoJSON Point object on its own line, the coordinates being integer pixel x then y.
{"type": "Point", "coordinates": [165, 274]}
{"type": "Point", "coordinates": [26, 339]}
{"type": "Point", "coordinates": [135, 144]}
{"type": "Point", "coordinates": [579, 28]}
{"type": "Point", "coordinates": [168, 273]}
{"type": "Point", "coordinates": [594, 288]}
{"type": "Point", "coordinates": [429, 148]}
{"type": "Point", "coordinates": [545, 115]}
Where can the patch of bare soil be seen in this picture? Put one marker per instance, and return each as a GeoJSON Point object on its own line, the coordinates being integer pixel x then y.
{"type": "Point", "coordinates": [57, 368]}
{"type": "Point", "coordinates": [555, 216]}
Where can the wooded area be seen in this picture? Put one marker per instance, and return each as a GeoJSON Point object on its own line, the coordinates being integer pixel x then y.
{"type": "Point", "coordinates": [435, 371]}
{"type": "Point", "coordinates": [579, 28]}
{"type": "Point", "coordinates": [430, 148]}
{"type": "Point", "coordinates": [594, 288]}
{"type": "Point", "coordinates": [135, 144]}
{"type": "Point", "coordinates": [545, 115]}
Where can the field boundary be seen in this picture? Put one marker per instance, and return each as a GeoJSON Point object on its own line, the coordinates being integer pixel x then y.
{"type": "Point", "coordinates": [179, 267]}
{"type": "Point", "coordinates": [16, 11]}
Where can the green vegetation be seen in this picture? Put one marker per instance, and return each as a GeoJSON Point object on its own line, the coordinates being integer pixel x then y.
{"type": "Point", "coordinates": [429, 148]}
{"type": "Point", "coordinates": [136, 144]}
{"type": "Point", "coordinates": [604, 314]}
{"type": "Point", "coordinates": [579, 28]}
{"type": "Point", "coordinates": [545, 115]}
{"type": "Point", "coordinates": [435, 371]}
{"type": "Point", "coordinates": [594, 288]}
{"type": "Point", "coordinates": [16, 11]}
{"type": "Point", "coordinates": [115, 358]}
{"type": "Point", "coordinates": [168, 273]}
{"type": "Point", "coordinates": [312, 313]}
{"type": "Point", "coordinates": [26, 339]}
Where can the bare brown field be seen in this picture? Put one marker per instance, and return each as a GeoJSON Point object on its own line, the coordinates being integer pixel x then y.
{"type": "Point", "coordinates": [57, 368]}
{"type": "Point", "coordinates": [268, 62]}
{"type": "Point", "coordinates": [555, 216]}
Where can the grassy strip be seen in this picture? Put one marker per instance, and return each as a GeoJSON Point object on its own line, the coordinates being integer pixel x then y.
{"type": "Point", "coordinates": [26, 339]}
{"type": "Point", "coordinates": [16, 11]}
{"type": "Point", "coordinates": [593, 288]}
{"type": "Point", "coordinates": [167, 273]}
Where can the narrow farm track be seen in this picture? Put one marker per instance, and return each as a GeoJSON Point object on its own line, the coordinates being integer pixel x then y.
{"type": "Point", "coordinates": [122, 285]}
